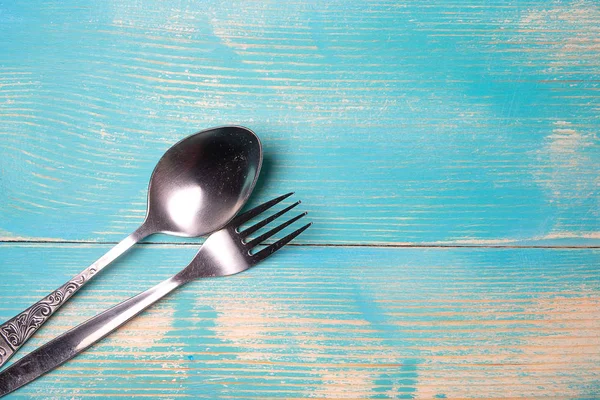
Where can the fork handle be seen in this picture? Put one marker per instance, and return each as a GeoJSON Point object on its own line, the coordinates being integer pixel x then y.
{"type": "Point", "coordinates": [16, 331]}
{"type": "Point", "coordinates": [78, 339]}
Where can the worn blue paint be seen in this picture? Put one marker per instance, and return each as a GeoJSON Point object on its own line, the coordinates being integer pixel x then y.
{"type": "Point", "coordinates": [268, 332]}
{"type": "Point", "coordinates": [398, 124]}
{"type": "Point", "coordinates": [413, 123]}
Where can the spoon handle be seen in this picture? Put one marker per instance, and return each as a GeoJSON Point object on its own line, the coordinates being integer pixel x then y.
{"type": "Point", "coordinates": [78, 339]}
{"type": "Point", "coordinates": [16, 331]}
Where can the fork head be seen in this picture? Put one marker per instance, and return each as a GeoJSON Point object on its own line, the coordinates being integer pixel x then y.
{"type": "Point", "coordinates": [229, 251]}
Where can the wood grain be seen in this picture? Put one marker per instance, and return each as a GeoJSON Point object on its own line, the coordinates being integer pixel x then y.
{"type": "Point", "coordinates": [396, 123]}
{"type": "Point", "coordinates": [436, 146]}
{"type": "Point", "coordinates": [328, 323]}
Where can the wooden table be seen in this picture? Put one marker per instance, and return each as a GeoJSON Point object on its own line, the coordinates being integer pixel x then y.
{"type": "Point", "coordinates": [447, 152]}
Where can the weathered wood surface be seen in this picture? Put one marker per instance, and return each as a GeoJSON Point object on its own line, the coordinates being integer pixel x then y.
{"type": "Point", "coordinates": [412, 122]}
{"type": "Point", "coordinates": [418, 126]}
{"type": "Point", "coordinates": [329, 322]}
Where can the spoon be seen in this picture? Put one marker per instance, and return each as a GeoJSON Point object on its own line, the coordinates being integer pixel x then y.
{"type": "Point", "coordinates": [196, 188]}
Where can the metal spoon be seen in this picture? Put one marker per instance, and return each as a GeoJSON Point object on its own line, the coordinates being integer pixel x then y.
{"type": "Point", "coordinates": [196, 188]}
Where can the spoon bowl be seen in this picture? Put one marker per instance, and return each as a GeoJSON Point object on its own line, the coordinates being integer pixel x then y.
{"type": "Point", "coordinates": [202, 182]}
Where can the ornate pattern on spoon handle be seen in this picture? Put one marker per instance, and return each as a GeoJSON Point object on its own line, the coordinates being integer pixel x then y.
{"type": "Point", "coordinates": [17, 330]}
{"type": "Point", "coordinates": [20, 328]}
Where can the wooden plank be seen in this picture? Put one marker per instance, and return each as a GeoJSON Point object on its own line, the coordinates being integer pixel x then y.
{"type": "Point", "coordinates": [419, 123]}
{"type": "Point", "coordinates": [325, 322]}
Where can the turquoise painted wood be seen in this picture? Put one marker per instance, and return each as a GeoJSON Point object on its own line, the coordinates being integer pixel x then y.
{"type": "Point", "coordinates": [325, 322]}
{"type": "Point", "coordinates": [418, 123]}
{"type": "Point", "coordinates": [420, 136]}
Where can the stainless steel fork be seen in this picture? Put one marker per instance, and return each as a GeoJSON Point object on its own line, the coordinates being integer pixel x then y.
{"type": "Point", "coordinates": [225, 252]}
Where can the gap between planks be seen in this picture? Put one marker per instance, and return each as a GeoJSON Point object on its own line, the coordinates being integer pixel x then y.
{"type": "Point", "coordinates": [348, 245]}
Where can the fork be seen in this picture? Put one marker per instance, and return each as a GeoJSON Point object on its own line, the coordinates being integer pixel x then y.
{"type": "Point", "coordinates": [225, 252]}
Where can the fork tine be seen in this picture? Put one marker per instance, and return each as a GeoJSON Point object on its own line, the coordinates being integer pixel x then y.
{"type": "Point", "coordinates": [273, 231]}
{"type": "Point", "coordinates": [245, 233]}
{"type": "Point", "coordinates": [248, 215]}
{"type": "Point", "coordinates": [267, 251]}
